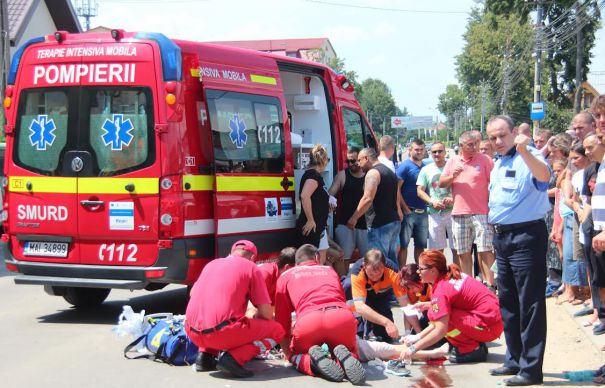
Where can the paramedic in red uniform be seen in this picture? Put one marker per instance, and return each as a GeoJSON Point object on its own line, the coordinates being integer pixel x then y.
{"type": "Point", "coordinates": [314, 293]}
{"type": "Point", "coordinates": [215, 313]}
{"type": "Point", "coordinates": [271, 271]}
{"type": "Point", "coordinates": [462, 309]}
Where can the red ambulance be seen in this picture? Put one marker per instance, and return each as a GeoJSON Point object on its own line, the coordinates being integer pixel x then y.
{"type": "Point", "coordinates": [133, 159]}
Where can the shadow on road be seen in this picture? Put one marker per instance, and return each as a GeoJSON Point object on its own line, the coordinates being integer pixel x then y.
{"type": "Point", "coordinates": [172, 301]}
{"type": "Point", "coordinates": [4, 271]}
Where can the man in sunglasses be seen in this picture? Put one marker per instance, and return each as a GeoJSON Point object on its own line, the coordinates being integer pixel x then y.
{"type": "Point", "coordinates": [349, 183]}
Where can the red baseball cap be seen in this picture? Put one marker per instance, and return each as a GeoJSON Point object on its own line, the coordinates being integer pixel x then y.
{"type": "Point", "coordinates": [245, 245]}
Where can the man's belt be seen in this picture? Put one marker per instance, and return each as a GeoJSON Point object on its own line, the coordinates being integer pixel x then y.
{"type": "Point", "coordinates": [417, 210]}
{"type": "Point", "coordinates": [212, 329]}
{"type": "Point", "coordinates": [329, 308]}
{"type": "Point", "coordinates": [502, 228]}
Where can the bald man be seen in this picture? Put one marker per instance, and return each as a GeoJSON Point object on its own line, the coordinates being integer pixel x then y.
{"type": "Point", "coordinates": [583, 124]}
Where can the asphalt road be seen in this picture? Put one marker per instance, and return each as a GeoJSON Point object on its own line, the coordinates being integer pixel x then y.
{"type": "Point", "coordinates": [46, 343]}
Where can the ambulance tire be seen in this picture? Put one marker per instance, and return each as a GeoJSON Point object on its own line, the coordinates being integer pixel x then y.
{"type": "Point", "coordinates": [83, 298]}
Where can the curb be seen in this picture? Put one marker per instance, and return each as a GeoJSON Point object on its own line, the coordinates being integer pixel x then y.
{"type": "Point", "coordinates": [598, 341]}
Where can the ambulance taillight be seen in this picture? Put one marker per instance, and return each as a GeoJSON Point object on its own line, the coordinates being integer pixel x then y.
{"type": "Point", "coordinates": [169, 204]}
{"type": "Point", "coordinates": [8, 99]}
{"type": "Point", "coordinates": [4, 213]}
{"type": "Point", "coordinates": [174, 109]}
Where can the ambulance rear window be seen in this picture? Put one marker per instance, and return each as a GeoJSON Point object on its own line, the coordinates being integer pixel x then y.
{"type": "Point", "coordinates": [42, 129]}
{"type": "Point", "coordinates": [247, 132]}
{"type": "Point", "coordinates": [120, 128]}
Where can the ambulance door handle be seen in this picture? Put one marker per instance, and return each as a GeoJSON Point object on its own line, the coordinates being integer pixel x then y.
{"type": "Point", "coordinates": [129, 187]}
{"type": "Point", "coordinates": [286, 183]}
{"type": "Point", "coordinates": [91, 203]}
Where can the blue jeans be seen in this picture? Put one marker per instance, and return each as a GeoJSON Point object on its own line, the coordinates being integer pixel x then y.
{"type": "Point", "coordinates": [386, 239]}
{"type": "Point", "coordinates": [416, 226]}
{"type": "Point", "coordinates": [574, 271]}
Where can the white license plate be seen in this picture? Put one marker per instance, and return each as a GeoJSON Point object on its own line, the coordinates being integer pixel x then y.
{"type": "Point", "coordinates": [40, 248]}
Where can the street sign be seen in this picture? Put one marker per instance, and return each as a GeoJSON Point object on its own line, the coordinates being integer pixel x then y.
{"type": "Point", "coordinates": [412, 122]}
{"type": "Point", "coordinates": [398, 121]}
{"type": "Point", "coordinates": [537, 111]}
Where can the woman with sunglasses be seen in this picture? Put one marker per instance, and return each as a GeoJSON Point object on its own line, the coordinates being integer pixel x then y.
{"type": "Point", "coordinates": [461, 309]}
{"type": "Point", "coordinates": [417, 291]}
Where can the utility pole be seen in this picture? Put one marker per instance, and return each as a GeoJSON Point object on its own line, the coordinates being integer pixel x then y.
{"type": "Point", "coordinates": [505, 78]}
{"type": "Point", "coordinates": [483, 104]}
{"type": "Point", "coordinates": [579, 61]}
{"type": "Point", "coordinates": [384, 124]}
{"type": "Point", "coordinates": [538, 53]}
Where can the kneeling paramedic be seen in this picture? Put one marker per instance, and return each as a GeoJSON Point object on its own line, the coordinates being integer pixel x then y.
{"type": "Point", "coordinates": [216, 321]}
{"type": "Point", "coordinates": [314, 293]}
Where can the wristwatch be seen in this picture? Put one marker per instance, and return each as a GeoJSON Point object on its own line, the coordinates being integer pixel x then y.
{"type": "Point", "coordinates": [412, 348]}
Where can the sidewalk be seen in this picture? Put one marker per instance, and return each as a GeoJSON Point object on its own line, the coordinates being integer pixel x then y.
{"type": "Point", "coordinates": [569, 345]}
{"type": "Point", "coordinates": [597, 340]}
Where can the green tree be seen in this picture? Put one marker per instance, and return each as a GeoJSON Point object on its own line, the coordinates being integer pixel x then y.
{"type": "Point", "coordinates": [561, 21]}
{"type": "Point", "coordinates": [495, 67]}
{"type": "Point", "coordinates": [379, 105]}
{"type": "Point", "coordinates": [453, 100]}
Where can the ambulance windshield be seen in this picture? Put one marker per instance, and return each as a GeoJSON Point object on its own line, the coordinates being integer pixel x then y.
{"type": "Point", "coordinates": [112, 127]}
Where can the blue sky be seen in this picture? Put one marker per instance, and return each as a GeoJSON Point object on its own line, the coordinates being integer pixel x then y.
{"type": "Point", "coordinates": [409, 44]}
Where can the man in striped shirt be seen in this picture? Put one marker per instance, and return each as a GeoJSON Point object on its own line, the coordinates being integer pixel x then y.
{"type": "Point", "coordinates": [598, 212]}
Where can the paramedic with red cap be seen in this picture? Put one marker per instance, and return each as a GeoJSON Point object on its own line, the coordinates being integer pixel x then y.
{"type": "Point", "coordinates": [216, 318]}
{"type": "Point", "coordinates": [314, 292]}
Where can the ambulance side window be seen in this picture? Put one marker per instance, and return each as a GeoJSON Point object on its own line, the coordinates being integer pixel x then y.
{"type": "Point", "coordinates": [41, 129]}
{"type": "Point", "coordinates": [354, 128]}
{"type": "Point", "coordinates": [247, 132]}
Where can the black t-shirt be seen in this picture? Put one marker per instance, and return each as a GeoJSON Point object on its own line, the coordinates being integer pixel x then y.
{"type": "Point", "coordinates": [319, 200]}
{"type": "Point", "coordinates": [351, 194]}
{"type": "Point", "coordinates": [384, 206]}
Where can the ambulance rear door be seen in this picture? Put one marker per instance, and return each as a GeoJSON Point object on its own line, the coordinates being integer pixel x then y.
{"type": "Point", "coordinates": [117, 161]}
{"type": "Point", "coordinates": [254, 187]}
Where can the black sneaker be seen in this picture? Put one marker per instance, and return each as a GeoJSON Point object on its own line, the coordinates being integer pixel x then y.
{"type": "Point", "coordinates": [227, 363]}
{"type": "Point", "coordinates": [324, 366]}
{"type": "Point", "coordinates": [205, 362]}
{"type": "Point", "coordinates": [354, 371]}
{"type": "Point", "coordinates": [477, 355]}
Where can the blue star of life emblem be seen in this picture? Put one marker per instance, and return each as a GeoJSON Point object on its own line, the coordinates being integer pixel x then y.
{"type": "Point", "coordinates": [238, 131]}
{"type": "Point", "coordinates": [42, 132]}
{"type": "Point", "coordinates": [117, 132]}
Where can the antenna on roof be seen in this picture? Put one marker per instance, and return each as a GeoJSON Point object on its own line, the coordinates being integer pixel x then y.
{"type": "Point", "coordinates": [87, 9]}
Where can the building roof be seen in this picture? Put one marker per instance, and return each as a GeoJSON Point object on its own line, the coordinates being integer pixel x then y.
{"type": "Point", "coordinates": [278, 44]}
{"type": "Point", "coordinates": [21, 11]}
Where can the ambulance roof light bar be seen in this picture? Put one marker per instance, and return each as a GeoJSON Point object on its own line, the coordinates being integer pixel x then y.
{"type": "Point", "coordinates": [12, 74]}
{"type": "Point", "coordinates": [170, 54]}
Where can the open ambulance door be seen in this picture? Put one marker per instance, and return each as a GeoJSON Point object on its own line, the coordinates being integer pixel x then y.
{"type": "Point", "coordinates": [254, 180]}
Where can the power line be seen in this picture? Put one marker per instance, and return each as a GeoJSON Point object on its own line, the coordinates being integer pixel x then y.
{"type": "Point", "coordinates": [373, 8]}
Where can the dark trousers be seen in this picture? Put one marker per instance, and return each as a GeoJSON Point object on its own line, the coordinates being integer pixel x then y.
{"type": "Point", "coordinates": [377, 302]}
{"type": "Point", "coordinates": [592, 257]}
{"type": "Point", "coordinates": [521, 261]}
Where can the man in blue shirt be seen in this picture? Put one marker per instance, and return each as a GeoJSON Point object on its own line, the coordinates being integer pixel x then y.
{"type": "Point", "coordinates": [518, 203]}
{"type": "Point", "coordinates": [415, 222]}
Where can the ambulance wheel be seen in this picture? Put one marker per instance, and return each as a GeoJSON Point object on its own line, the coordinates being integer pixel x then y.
{"type": "Point", "coordinates": [81, 297]}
